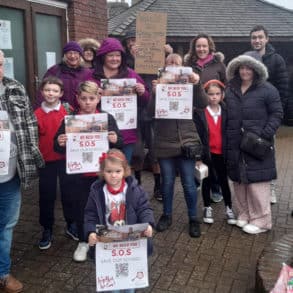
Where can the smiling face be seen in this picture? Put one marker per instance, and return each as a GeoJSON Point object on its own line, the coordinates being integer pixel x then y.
{"type": "Point", "coordinates": [88, 102]}
{"type": "Point", "coordinates": [202, 48]}
{"type": "Point", "coordinates": [52, 94]}
{"type": "Point", "coordinates": [113, 173]}
{"type": "Point", "coordinates": [259, 40]}
{"type": "Point", "coordinates": [246, 73]}
{"type": "Point", "coordinates": [113, 60]}
{"type": "Point", "coordinates": [88, 55]}
{"type": "Point", "coordinates": [72, 59]}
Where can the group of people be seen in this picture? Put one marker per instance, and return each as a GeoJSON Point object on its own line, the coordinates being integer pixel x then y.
{"type": "Point", "coordinates": [234, 108]}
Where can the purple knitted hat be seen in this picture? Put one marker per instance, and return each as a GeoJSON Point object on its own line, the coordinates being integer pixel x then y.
{"type": "Point", "coordinates": [72, 46]}
{"type": "Point", "coordinates": [110, 45]}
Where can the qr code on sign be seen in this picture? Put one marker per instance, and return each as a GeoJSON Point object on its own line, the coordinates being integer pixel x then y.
{"type": "Point", "coordinates": [119, 117]}
{"type": "Point", "coordinates": [173, 106]}
{"type": "Point", "coordinates": [121, 270]}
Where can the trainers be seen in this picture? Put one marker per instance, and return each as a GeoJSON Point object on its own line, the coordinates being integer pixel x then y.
{"type": "Point", "coordinates": [231, 219]}
{"type": "Point", "coordinates": [252, 229]}
{"type": "Point", "coordinates": [46, 239]}
{"type": "Point", "coordinates": [194, 228]}
{"type": "Point", "coordinates": [216, 197]}
{"type": "Point", "coordinates": [208, 215]}
{"type": "Point", "coordinates": [164, 223]}
{"type": "Point", "coordinates": [71, 231]}
{"type": "Point", "coordinates": [10, 285]}
{"type": "Point", "coordinates": [241, 223]}
{"type": "Point", "coordinates": [273, 196]}
{"type": "Point", "coordinates": [80, 253]}
{"type": "Point", "coordinates": [157, 195]}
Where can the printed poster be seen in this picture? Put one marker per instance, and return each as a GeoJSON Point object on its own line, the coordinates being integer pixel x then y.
{"type": "Point", "coordinates": [119, 99]}
{"type": "Point", "coordinates": [5, 34]}
{"type": "Point", "coordinates": [151, 30]}
{"type": "Point", "coordinates": [174, 93]}
{"type": "Point", "coordinates": [9, 67]}
{"type": "Point", "coordinates": [4, 143]}
{"type": "Point", "coordinates": [121, 265]}
{"type": "Point", "coordinates": [50, 59]}
{"type": "Point", "coordinates": [87, 139]}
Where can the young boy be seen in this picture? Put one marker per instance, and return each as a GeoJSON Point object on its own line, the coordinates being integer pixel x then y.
{"type": "Point", "coordinates": [88, 98]}
{"type": "Point", "coordinates": [49, 116]}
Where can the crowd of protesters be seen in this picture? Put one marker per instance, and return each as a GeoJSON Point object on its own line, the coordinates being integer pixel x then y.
{"type": "Point", "coordinates": [236, 113]}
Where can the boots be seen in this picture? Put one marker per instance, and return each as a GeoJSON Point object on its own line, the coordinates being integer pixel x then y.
{"type": "Point", "coordinates": [10, 285]}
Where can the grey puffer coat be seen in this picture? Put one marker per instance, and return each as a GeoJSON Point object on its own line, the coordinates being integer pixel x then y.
{"type": "Point", "coordinates": [258, 110]}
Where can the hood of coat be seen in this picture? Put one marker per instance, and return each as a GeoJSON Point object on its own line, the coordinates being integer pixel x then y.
{"type": "Point", "coordinates": [257, 66]}
{"type": "Point", "coordinates": [89, 43]}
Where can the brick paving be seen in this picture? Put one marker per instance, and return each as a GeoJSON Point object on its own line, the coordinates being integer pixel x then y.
{"type": "Point", "coordinates": [222, 260]}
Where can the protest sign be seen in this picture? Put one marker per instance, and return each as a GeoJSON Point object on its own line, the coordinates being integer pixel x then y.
{"type": "Point", "coordinates": [150, 38]}
{"type": "Point", "coordinates": [87, 139]}
{"type": "Point", "coordinates": [5, 138]}
{"type": "Point", "coordinates": [119, 99]}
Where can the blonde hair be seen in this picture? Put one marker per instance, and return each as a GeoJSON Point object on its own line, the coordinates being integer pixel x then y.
{"type": "Point", "coordinates": [173, 57]}
{"type": "Point", "coordinates": [88, 87]}
{"type": "Point", "coordinates": [114, 156]}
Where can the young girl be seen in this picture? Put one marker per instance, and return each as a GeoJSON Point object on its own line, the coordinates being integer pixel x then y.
{"type": "Point", "coordinates": [87, 98]}
{"type": "Point", "coordinates": [215, 116]}
{"type": "Point", "coordinates": [49, 116]}
{"type": "Point", "coordinates": [116, 199]}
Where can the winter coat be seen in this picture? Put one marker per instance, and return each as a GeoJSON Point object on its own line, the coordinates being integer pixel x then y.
{"type": "Point", "coordinates": [278, 74]}
{"type": "Point", "coordinates": [110, 45]}
{"type": "Point", "coordinates": [71, 78]}
{"type": "Point", "coordinates": [138, 209]}
{"type": "Point", "coordinates": [258, 110]}
{"type": "Point", "coordinates": [215, 69]}
{"type": "Point", "coordinates": [170, 135]}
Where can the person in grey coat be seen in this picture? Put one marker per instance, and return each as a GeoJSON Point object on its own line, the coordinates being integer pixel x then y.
{"type": "Point", "coordinates": [254, 106]}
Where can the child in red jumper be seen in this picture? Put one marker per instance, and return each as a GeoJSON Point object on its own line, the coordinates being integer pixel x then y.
{"type": "Point", "coordinates": [49, 116]}
{"type": "Point", "coordinates": [215, 115]}
{"type": "Point", "coordinates": [88, 98]}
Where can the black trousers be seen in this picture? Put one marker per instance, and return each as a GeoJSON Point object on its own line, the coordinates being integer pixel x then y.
{"type": "Point", "coordinates": [217, 164]}
{"type": "Point", "coordinates": [48, 178]}
{"type": "Point", "coordinates": [80, 188]}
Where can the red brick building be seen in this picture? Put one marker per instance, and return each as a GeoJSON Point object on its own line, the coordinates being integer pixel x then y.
{"type": "Point", "coordinates": [34, 32]}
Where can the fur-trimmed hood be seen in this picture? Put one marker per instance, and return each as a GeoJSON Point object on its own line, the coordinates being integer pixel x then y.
{"type": "Point", "coordinates": [257, 66]}
{"type": "Point", "coordinates": [89, 43]}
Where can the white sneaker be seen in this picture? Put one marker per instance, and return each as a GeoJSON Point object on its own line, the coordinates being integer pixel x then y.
{"type": "Point", "coordinates": [273, 196]}
{"type": "Point", "coordinates": [252, 229]}
{"type": "Point", "coordinates": [208, 215]}
{"type": "Point", "coordinates": [241, 223]}
{"type": "Point", "coordinates": [80, 253]}
{"type": "Point", "coordinates": [231, 219]}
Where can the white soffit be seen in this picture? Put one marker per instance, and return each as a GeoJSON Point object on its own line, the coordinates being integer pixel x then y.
{"type": "Point", "coordinates": [51, 3]}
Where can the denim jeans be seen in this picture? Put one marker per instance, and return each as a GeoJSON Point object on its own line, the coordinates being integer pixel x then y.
{"type": "Point", "coordinates": [9, 213]}
{"type": "Point", "coordinates": [128, 151]}
{"type": "Point", "coordinates": [186, 170]}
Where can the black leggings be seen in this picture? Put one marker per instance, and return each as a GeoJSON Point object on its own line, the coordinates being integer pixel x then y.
{"type": "Point", "coordinates": [216, 164]}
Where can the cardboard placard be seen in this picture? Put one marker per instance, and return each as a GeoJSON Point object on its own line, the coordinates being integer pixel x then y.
{"type": "Point", "coordinates": [150, 37]}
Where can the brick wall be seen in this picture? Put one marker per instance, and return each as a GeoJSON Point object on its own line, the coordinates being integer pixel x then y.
{"type": "Point", "coordinates": [87, 18]}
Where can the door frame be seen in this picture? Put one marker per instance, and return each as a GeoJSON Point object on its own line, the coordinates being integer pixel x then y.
{"type": "Point", "coordinates": [29, 10]}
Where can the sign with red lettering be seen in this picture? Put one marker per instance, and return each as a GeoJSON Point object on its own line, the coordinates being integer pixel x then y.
{"type": "Point", "coordinates": [119, 99]}
{"type": "Point", "coordinates": [87, 139]}
{"type": "Point", "coordinates": [121, 265]}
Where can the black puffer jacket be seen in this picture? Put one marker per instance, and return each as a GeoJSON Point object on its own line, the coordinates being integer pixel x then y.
{"type": "Point", "coordinates": [258, 110]}
{"type": "Point", "coordinates": [278, 74]}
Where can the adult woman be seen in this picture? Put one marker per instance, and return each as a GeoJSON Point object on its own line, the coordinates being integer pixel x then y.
{"type": "Point", "coordinates": [253, 106]}
{"type": "Point", "coordinates": [177, 146]}
{"type": "Point", "coordinates": [70, 71]}
{"type": "Point", "coordinates": [111, 63]}
{"type": "Point", "coordinates": [208, 63]}
{"type": "Point", "coordinates": [89, 47]}
{"type": "Point", "coordinates": [204, 60]}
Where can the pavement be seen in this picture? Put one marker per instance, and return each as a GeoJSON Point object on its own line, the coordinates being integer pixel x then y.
{"type": "Point", "coordinates": [222, 260]}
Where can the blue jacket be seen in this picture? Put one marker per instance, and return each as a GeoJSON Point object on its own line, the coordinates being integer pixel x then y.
{"type": "Point", "coordinates": [138, 209]}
